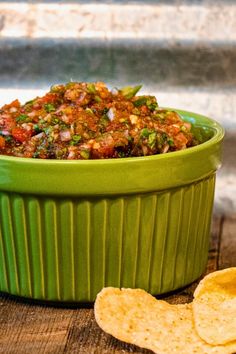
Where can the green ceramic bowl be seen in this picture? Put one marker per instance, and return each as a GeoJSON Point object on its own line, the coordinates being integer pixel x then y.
{"type": "Point", "coordinates": [69, 228]}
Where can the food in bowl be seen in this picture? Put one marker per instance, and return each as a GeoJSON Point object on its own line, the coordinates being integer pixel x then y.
{"type": "Point", "coordinates": [69, 227]}
{"type": "Point", "coordinates": [87, 121]}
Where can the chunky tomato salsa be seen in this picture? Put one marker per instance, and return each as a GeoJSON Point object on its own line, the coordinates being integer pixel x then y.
{"type": "Point", "coordinates": [81, 120]}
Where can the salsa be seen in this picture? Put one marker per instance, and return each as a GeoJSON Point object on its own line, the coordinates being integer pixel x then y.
{"type": "Point", "coordinates": [81, 120]}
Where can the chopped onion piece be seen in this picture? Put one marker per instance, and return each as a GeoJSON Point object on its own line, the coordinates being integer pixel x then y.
{"type": "Point", "coordinates": [13, 109]}
{"type": "Point", "coordinates": [165, 148]}
{"type": "Point", "coordinates": [65, 135]}
{"type": "Point", "coordinates": [114, 91]}
{"type": "Point", "coordinates": [38, 136]}
{"type": "Point", "coordinates": [5, 132]}
{"type": "Point", "coordinates": [111, 114]}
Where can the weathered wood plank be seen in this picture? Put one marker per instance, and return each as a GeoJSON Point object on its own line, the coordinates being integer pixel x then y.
{"type": "Point", "coordinates": [30, 328]}
{"type": "Point", "coordinates": [227, 255]}
{"type": "Point", "coordinates": [86, 337]}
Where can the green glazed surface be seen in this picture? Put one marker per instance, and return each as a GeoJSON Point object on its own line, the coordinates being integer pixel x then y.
{"type": "Point", "coordinates": [69, 228]}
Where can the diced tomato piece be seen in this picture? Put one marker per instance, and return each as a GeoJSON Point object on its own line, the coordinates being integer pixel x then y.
{"type": "Point", "coordinates": [20, 134]}
{"type": "Point", "coordinates": [144, 109]}
{"type": "Point", "coordinates": [49, 98]}
{"type": "Point", "coordinates": [9, 123]}
{"type": "Point", "coordinates": [15, 103]}
{"type": "Point", "coordinates": [180, 141]}
{"type": "Point", "coordinates": [2, 142]}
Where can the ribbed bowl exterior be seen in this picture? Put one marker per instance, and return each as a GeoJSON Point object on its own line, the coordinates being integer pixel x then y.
{"type": "Point", "coordinates": [68, 249]}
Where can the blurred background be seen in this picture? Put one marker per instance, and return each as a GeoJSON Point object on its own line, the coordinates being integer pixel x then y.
{"type": "Point", "coordinates": [182, 51]}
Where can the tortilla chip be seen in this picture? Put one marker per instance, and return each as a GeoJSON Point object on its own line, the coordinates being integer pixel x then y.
{"type": "Point", "coordinates": [136, 317]}
{"type": "Point", "coordinates": [214, 307]}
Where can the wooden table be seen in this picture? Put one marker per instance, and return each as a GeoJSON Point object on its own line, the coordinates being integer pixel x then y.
{"type": "Point", "coordinates": [27, 328]}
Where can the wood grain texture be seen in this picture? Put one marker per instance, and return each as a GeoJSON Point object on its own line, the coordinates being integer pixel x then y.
{"type": "Point", "coordinates": [227, 251]}
{"type": "Point", "coordinates": [27, 328]}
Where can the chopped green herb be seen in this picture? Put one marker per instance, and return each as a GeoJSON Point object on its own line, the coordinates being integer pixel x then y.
{"type": "Point", "coordinates": [22, 118]}
{"type": "Point", "coordinates": [91, 88]}
{"type": "Point", "coordinates": [63, 125]}
{"type": "Point", "coordinates": [49, 107]}
{"type": "Point", "coordinates": [89, 110]}
{"type": "Point", "coordinates": [152, 105]}
{"type": "Point", "coordinates": [170, 141]}
{"type": "Point", "coordinates": [136, 111]}
{"type": "Point", "coordinates": [161, 139]}
{"type": "Point", "coordinates": [36, 128]}
{"type": "Point", "coordinates": [48, 130]}
{"type": "Point", "coordinates": [70, 84]}
{"type": "Point", "coordinates": [150, 135]}
{"type": "Point", "coordinates": [55, 88]}
{"type": "Point", "coordinates": [129, 92]}
{"type": "Point", "coordinates": [36, 154]}
{"type": "Point", "coordinates": [55, 120]}
{"type": "Point", "coordinates": [160, 116]}
{"type": "Point", "coordinates": [85, 154]}
{"type": "Point", "coordinates": [130, 139]}
{"type": "Point", "coordinates": [97, 99]}
{"type": "Point", "coordinates": [140, 101]}
{"type": "Point", "coordinates": [105, 110]}
{"type": "Point", "coordinates": [152, 139]}
{"type": "Point", "coordinates": [123, 120]}
{"type": "Point", "coordinates": [76, 139]}
{"type": "Point", "coordinates": [121, 154]}
{"type": "Point", "coordinates": [8, 138]}
{"type": "Point", "coordinates": [144, 133]}
{"type": "Point", "coordinates": [29, 102]}
{"type": "Point", "coordinates": [104, 120]}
